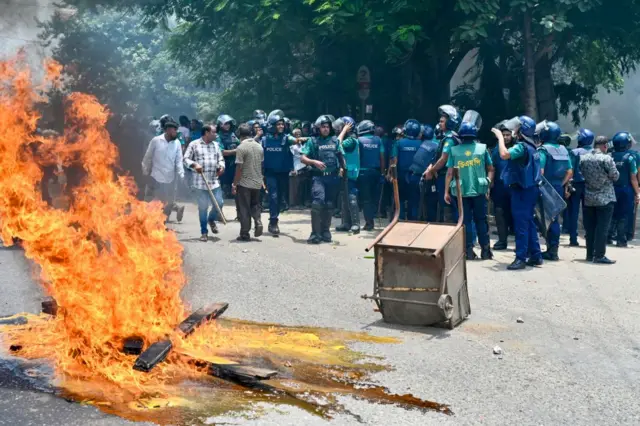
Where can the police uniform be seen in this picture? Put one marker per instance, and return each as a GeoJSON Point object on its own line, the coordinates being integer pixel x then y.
{"type": "Point", "coordinates": [522, 175]}
{"type": "Point", "coordinates": [446, 213]}
{"type": "Point", "coordinates": [626, 164]}
{"type": "Point", "coordinates": [324, 185]}
{"type": "Point", "coordinates": [632, 217]}
{"type": "Point", "coordinates": [424, 156]}
{"type": "Point", "coordinates": [577, 196]}
{"type": "Point", "coordinates": [371, 176]}
{"type": "Point", "coordinates": [228, 141]}
{"type": "Point", "coordinates": [408, 181]}
{"type": "Point", "coordinates": [278, 163]}
{"type": "Point", "coordinates": [501, 198]}
{"type": "Point", "coordinates": [555, 161]}
{"type": "Point", "coordinates": [472, 159]}
{"type": "Point", "coordinates": [350, 207]}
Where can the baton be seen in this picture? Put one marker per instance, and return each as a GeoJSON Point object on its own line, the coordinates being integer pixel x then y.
{"type": "Point", "coordinates": [213, 198]}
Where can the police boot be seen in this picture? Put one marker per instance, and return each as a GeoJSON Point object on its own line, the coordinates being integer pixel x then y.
{"type": "Point", "coordinates": [273, 227]}
{"type": "Point", "coordinates": [316, 216]}
{"type": "Point", "coordinates": [503, 230]}
{"type": "Point", "coordinates": [486, 253]}
{"type": "Point", "coordinates": [621, 234]}
{"type": "Point", "coordinates": [325, 225]}
{"type": "Point", "coordinates": [345, 226]}
{"type": "Point", "coordinates": [354, 209]}
{"type": "Point", "coordinates": [551, 254]}
{"type": "Point", "coordinates": [470, 254]}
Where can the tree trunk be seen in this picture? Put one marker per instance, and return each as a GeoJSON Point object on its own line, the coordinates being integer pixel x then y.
{"type": "Point", "coordinates": [545, 93]}
{"type": "Point", "coordinates": [530, 104]}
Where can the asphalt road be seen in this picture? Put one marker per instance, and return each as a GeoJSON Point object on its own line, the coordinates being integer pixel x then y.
{"type": "Point", "coordinates": [575, 359]}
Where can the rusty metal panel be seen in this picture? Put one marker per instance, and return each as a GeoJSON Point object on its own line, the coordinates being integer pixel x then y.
{"type": "Point", "coordinates": [402, 234]}
{"type": "Point", "coordinates": [454, 249]}
{"type": "Point", "coordinates": [433, 237]}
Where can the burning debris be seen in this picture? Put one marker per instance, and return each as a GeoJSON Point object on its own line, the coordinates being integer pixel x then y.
{"type": "Point", "coordinates": [114, 274]}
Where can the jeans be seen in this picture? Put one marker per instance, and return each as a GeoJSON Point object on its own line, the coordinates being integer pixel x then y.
{"type": "Point", "coordinates": [369, 189]}
{"type": "Point", "coordinates": [278, 187]}
{"type": "Point", "coordinates": [523, 203]}
{"type": "Point", "coordinates": [248, 201]}
{"type": "Point", "coordinates": [204, 201]}
{"type": "Point", "coordinates": [574, 202]}
{"type": "Point", "coordinates": [475, 213]}
{"type": "Point", "coordinates": [596, 224]}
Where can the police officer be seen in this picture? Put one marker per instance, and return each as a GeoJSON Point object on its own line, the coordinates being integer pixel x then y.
{"type": "Point", "coordinates": [576, 198]}
{"type": "Point", "coordinates": [306, 128]}
{"type": "Point", "coordinates": [259, 115]}
{"type": "Point", "coordinates": [475, 173]}
{"type": "Point", "coordinates": [555, 165]}
{"type": "Point", "coordinates": [372, 170]}
{"type": "Point", "coordinates": [522, 174]}
{"type": "Point", "coordinates": [349, 200]}
{"type": "Point", "coordinates": [278, 162]}
{"type": "Point", "coordinates": [626, 186]}
{"type": "Point", "coordinates": [632, 217]}
{"type": "Point", "coordinates": [326, 157]}
{"type": "Point", "coordinates": [449, 123]}
{"type": "Point", "coordinates": [228, 141]}
{"type": "Point", "coordinates": [428, 191]}
{"type": "Point", "coordinates": [501, 193]}
{"type": "Point", "coordinates": [409, 182]}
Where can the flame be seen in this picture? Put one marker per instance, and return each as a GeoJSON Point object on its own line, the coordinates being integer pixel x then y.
{"type": "Point", "coordinates": [116, 272]}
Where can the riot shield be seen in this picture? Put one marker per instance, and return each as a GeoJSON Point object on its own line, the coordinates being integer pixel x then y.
{"type": "Point", "coordinates": [551, 203]}
{"type": "Point", "coordinates": [473, 117]}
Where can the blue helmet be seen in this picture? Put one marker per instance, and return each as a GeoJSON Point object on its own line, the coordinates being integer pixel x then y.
{"type": "Point", "coordinates": [550, 132]}
{"type": "Point", "coordinates": [468, 130]}
{"type": "Point", "coordinates": [585, 137]}
{"type": "Point", "coordinates": [621, 141]}
{"type": "Point", "coordinates": [272, 121]}
{"type": "Point", "coordinates": [412, 128]}
{"type": "Point", "coordinates": [527, 127]}
{"type": "Point", "coordinates": [452, 115]}
{"type": "Point", "coordinates": [427, 132]}
{"type": "Point", "coordinates": [259, 115]}
{"type": "Point", "coordinates": [339, 124]}
{"type": "Point", "coordinates": [365, 127]}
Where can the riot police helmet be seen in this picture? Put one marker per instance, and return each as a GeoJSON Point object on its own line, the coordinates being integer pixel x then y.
{"type": "Point", "coordinates": [287, 124]}
{"type": "Point", "coordinates": [585, 137]}
{"type": "Point", "coordinates": [621, 141]}
{"type": "Point", "coordinates": [412, 128]}
{"type": "Point", "coordinates": [527, 127]}
{"type": "Point", "coordinates": [224, 119]}
{"type": "Point", "coordinates": [322, 121]}
{"type": "Point", "coordinates": [427, 132]}
{"type": "Point", "coordinates": [272, 123]}
{"type": "Point", "coordinates": [277, 112]}
{"type": "Point", "coordinates": [259, 115]}
{"type": "Point", "coordinates": [564, 140]}
{"type": "Point", "coordinates": [468, 130]}
{"type": "Point", "coordinates": [438, 131]}
{"type": "Point", "coordinates": [451, 115]}
{"type": "Point", "coordinates": [550, 132]}
{"type": "Point", "coordinates": [397, 132]}
{"type": "Point", "coordinates": [365, 127]}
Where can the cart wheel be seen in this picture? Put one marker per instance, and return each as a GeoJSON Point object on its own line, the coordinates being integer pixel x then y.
{"type": "Point", "coordinates": [445, 303]}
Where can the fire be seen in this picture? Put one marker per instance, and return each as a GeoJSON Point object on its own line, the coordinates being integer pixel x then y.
{"type": "Point", "coordinates": [116, 272]}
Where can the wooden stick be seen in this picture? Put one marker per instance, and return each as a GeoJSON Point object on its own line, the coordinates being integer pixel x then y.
{"type": "Point", "coordinates": [213, 199]}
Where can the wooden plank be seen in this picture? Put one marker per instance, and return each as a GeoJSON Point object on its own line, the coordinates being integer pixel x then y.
{"type": "Point", "coordinates": [155, 354]}
{"type": "Point", "coordinates": [241, 373]}
{"type": "Point", "coordinates": [402, 234]}
{"type": "Point", "coordinates": [433, 237]}
{"type": "Point", "coordinates": [202, 315]}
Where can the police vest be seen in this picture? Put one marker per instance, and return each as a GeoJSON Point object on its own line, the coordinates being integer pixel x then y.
{"type": "Point", "coordinates": [353, 162]}
{"type": "Point", "coordinates": [523, 172]}
{"type": "Point", "coordinates": [557, 163]}
{"type": "Point", "coordinates": [469, 159]}
{"type": "Point", "coordinates": [424, 156]}
{"type": "Point", "coordinates": [369, 152]}
{"type": "Point", "coordinates": [277, 155]}
{"type": "Point", "coordinates": [448, 139]}
{"type": "Point", "coordinates": [327, 152]}
{"type": "Point", "coordinates": [229, 141]}
{"type": "Point", "coordinates": [575, 159]}
{"type": "Point", "coordinates": [498, 163]}
{"type": "Point", "coordinates": [621, 158]}
{"type": "Point", "coordinates": [407, 149]}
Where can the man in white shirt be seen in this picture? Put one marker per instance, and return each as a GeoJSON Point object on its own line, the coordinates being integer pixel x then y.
{"type": "Point", "coordinates": [163, 161]}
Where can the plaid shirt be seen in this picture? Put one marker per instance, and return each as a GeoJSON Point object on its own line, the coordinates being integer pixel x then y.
{"type": "Point", "coordinates": [209, 156]}
{"type": "Point", "coordinates": [599, 173]}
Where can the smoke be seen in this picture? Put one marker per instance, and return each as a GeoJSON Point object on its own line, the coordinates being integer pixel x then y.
{"type": "Point", "coordinates": [616, 112]}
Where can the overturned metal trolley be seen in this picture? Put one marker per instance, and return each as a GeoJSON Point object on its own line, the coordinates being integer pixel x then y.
{"type": "Point", "coordinates": [421, 271]}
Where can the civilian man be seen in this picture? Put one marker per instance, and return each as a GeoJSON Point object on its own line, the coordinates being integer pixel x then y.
{"type": "Point", "coordinates": [163, 161]}
{"type": "Point", "coordinates": [599, 172]}
{"type": "Point", "coordinates": [205, 158]}
{"type": "Point", "coordinates": [247, 182]}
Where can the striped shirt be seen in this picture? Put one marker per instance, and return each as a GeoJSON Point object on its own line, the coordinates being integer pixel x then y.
{"type": "Point", "coordinates": [209, 156]}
